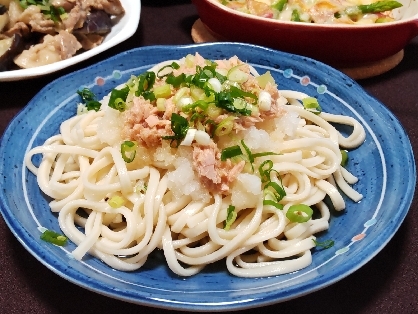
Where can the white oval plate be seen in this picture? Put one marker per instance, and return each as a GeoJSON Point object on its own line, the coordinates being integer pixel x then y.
{"type": "Point", "coordinates": [124, 28]}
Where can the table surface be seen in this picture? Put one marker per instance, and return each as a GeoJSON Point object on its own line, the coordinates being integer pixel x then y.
{"type": "Point", "coordinates": [386, 284]}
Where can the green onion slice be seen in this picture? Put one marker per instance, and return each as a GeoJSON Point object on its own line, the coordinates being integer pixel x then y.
{"type": "Point", "coordinates": [173, 65]}
{"type": "Point", "coordinates": [225, 127]}
{"type": "Point", "coordinates": [128, 150]}
{"type": "Point", "coordinates": [230, 217]}
{"type": "Point", "coordinates": [311, 104]}
{"type": "Point", "coordinates": [324, 244]}
{"type": "Point", "coordinates": [277, 190]}
{"type": "Point", "coordinates": [230, 152]}
{"type": "Point", "coordinates": [116, 201]}
{"type": "Point", "coordinates": [252, 157]}
{"type": "Point", "coordinates": [89, 99]}
{"type": "Point", "coordinates": [53, 237]}
{"type": "Point", "coordinates": [118, 98]}
{"type": "Point", "coordinates": [344, 157]}
{"type": "Point", "coordinates": [264, 170]}
{"type": "Point", "coordinates": [299, 213]}
{"type": "Point", "coordinates": [273, 203]}
{"type": "Point", "coordinates": [179, 126]}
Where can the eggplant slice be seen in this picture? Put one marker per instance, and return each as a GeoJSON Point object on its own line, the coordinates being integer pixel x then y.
{"type": "Point", "coordinates": [97, 22]}
{"type": "Point", "coordinates": [10, 48]}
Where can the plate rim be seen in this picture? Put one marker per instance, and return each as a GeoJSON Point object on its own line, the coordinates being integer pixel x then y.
{"type": "Point", "coordinates": [194, 307]}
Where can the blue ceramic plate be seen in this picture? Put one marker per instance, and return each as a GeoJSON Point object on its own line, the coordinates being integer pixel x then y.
{"type": "Point", "coordinates": [384, 165]}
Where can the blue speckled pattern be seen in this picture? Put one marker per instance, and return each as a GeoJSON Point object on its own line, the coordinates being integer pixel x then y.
{"type": "Point", "coordinates": [384, 165]}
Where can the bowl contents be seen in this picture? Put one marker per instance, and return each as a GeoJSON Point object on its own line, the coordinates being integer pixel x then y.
{"type": "Point", "coordinates": [206, 160]}
{"type": "Point", "coordinates": [40, 32]}
{"type": "Point", "coordinates": [319, 11]}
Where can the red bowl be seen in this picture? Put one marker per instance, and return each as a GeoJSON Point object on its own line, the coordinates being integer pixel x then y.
{"type": "Point", "coordinates": [335, 44]}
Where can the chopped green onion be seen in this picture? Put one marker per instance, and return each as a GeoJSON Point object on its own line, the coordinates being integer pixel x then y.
{"type": "Point", "coordinates": [197, 104]}
{"type": "Point", "coordinates": [265, 78]}
{"type": "Point", "coordinates": [299, 213]}
{"type": "Point", "coordinates": [161, 104]}
{"type": "Point", "coordinates": [273, 203]}
{"type": "Point", "coordinates": [181, 93]}
{"type": "Point", "coordinates": [163, 91]}
{"type": "Point", "coordinates": [344, 157]}
{"type": "Point", "coordinates": [118, 98]}
{"type": "Point", "coordinates": [225, 126]}
{"type": "Point", "coordinates": [277, 191]}
{"type": "Point", "coordinates": [225, 100]}
{"type": "Point", "coordinates": [311, 104]}
{"type": "Point", "coordinates": [54, 13]}
{"type": "Point", "coordinates": [93, 105]}
{"type": "Point", "coordinates": [324, 244]}
{"type": "Point", "coordinates": [230, 217]}
{"type": "Point", "coordinates": [264, 169]}
{"type": "Point", "coordinates": [264, 154]}
{"type": "Point", "coordinates": [213, 112]}
{"type": "Point", "coordinates": [190, 61]}
{"type": "Point", "coordinates": [86, 94]}
{"type": "Point", "coordinates": [145, 83]}
{"type": "Point", "coordinates": [179, 126]}
{"type": "Point", "coordinates": [128, 151]}
{"type": "Point", "coordinates": [116, 201]}
{"type": "Point", "coordinates": [230, 152]}
{"type": "Point", "coordinates": [89, 99]}
{"type": "Point", "coordinates": [252, 157]}
{"type": "Point", "coordinates": [197, 93]}
{"type": "Point", "coordinates": [173, 65]}
{"type": "Point", "coordinates": [53, 237]}
{"type": "Point", "coordinates": [235, 74]}
{"type": "Point", "coordinates": [141, 188]}
{"type": "Point", "coordinates": [176, 81]}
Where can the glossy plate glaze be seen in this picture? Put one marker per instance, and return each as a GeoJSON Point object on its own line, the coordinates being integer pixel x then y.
{"type": "Point", "coordinates": [360, 232]}
{"type": "Point", "coordinates": [124, 27]}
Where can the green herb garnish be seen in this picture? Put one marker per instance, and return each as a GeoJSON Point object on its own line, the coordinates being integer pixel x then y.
{"type": "Point", "coordinates": [252, 157]}
{"type": "Point", "coordinates": [116, 201]}
{"type": "Point", "coordinates": [128, 151]}
{"type": "Point", "coordinates": [179, 126]}
{"type": "Point", "coordinates": [173, 65]}
{"type": "Point", "coordinates": [311, 104]}
{"type": "Point", "coordinates": [324, 244]}
{"type": "Point", "coordinates": [118, 97]}
{"type": "Point", "coordinates": [344, 157]}
{"type": "Point", "coordinates": [145, 83]}
{"type": "Point", "coordinates": [50, 11]}
{"type": "Point", "coordinates": [230, 217]}
{"type": "Point", "coordinates": [230, 152]}
{"type": "Point", "coordinates": [299, 213]}
{"type": "Point", "coordinates": [53, 237]}
{"type": "Point", "coordinates": [89, 99]}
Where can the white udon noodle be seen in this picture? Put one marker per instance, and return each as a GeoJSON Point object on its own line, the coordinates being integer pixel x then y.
{"type": "Point", "coordinates": [78, 171]}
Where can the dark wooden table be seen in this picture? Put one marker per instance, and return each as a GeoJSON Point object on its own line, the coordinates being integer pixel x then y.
{"type": "Point", "coordinates": [387, 284]}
